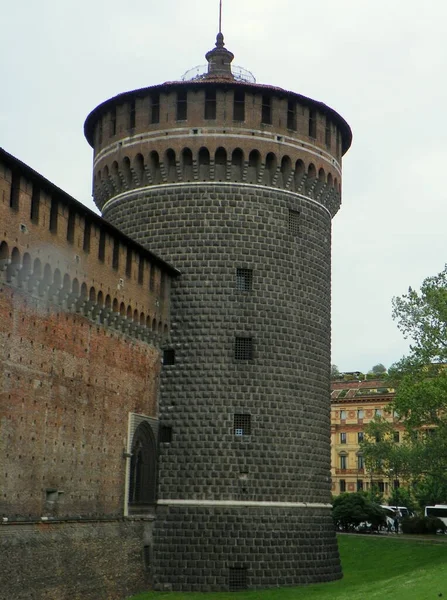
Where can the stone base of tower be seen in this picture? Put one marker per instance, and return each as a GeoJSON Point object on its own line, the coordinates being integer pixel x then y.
{"type": "Point", "coordinates": [223, 548]}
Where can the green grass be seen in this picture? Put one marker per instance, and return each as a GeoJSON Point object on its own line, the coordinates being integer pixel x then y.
{"type": "Point", "coordinates": [375, 568]}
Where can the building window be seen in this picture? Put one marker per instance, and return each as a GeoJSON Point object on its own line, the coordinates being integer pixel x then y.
{"type": "Point", "coordinates": [396, 484]}
{"type": "Point", "coordinates": [381, 486]}
{"type": "Point", "coordinates": [71, 226]}
{"type": "Point", "coordinates": [327, 132]}
{"type": "Point", "coordinates": [243, 279]}
{"type": "Point", "coordinates": [129, 263]}
{"type": "Point", "coordinates": [294, 222]}
{"type": "Point", "coordinates": [239, 105]}
{"type": "Point", "coordinates": [378, 412]}
{"type": "Point", "coordinates": [359, 485]}
{"type": "Point", "coordinates": [396, 437]}
{"type": "Point", "coordinates": [360, 437]}
{"type": "Point", "coordinates": [237, 579]}
{"type": "Point", "coordinates": [151, 278]}
{"type": "Point", "coordinates": [155, 108]}
{"type": "Point", "coordinates": [53, 216]}
{"type": "Point", "coordinates": [113, 121]}
{"type": "Point", "coordinates": [100, 131]}
{"type": "Point", "coordinates": [143, 467]}
{"type": "Point", "coordinates": [360, 414]}
{"type": "Point", "coordinates": [343, 461]}
{"type": "Point", "coordinates": [165, 434]}
{"type": "Point", "coordinates": [338, 143]}
{"type": "Point", "coordinates": [132, 114]}
{"type": "Point", "coordinates": [342, 485]}
{"type": "Point", "coordinates": [243, 348]}
{"type": "Point", "coordinates": [242, 424]}
{"type": "Point", "coordinates": [291, 115]}
{"type": "Point", "coordinates": [87, 232]}
{"type": "Point", "coordinates": [169, 356]}
{"type": "Point", "coordinates": [342, 415]}
{"type": "Point", "coordinates": [35, 204]}
{"type": "Point", "coordinates": [360, 462]}
{"type": "Point", "coordinates": [14, 192]}
{"type": "Point", "coordinates": [140, 270]}
{"type": "Point", "coordinates": [342, 438]}
{"type": "Point", "coordinates": [102, 245]}
{"type": "Point", "coordinates": [266, 113]}
{"type": "Point", "coordinates": [116, 254]}
{"type": "Point", "coordinates": [210, 104]}
{"type": "Point", "coordinates": [182, 105]}
{"type": "Point", "coordinates": [312, 123]}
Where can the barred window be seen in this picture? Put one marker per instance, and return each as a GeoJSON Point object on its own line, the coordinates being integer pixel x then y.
{"type": "Point", "coordinates": [243, 279]}
{"type": "Point", "coordinates": [237, 578]}
{"type": "Point", "coordinates": [243, 348]}
{"type": "Point", "coordinates": [242, 424]}
{"type": "Point", "coordinates": [294, 222]}
{"type": "Point", "coordinates": [165, 435]}
{"type": "Point", "coordinates": [169, 356]}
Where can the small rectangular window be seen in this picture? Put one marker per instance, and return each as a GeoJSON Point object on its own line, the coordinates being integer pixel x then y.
{"type": "Point", "coordinates": [35, 204]}
{"type": "Point", "coordinates": [113, 121]}
{"type": "Point", "coordinates": [359, 485]}
{"type": "Point", "coordinates": [266, 112]}
{"type": "Point", "coordinates": [396, 484]}
{"type": "Point", "coordinates": [243, 279]}
{"type": "Point", "coordinates": [396, 437]}
{"type": "Point", "coordinates": [132, 114]}
{"type": "Point", "coordinates": [378, 412]}
{"type": "Point", "coordinates": [381, 486]}
{"type": "Point", "coordinates": [151, 278]}
{"type": "Point", "coordinates": [360, 462]}
{"type": "Point", "coordinates": [237, 579]}
{"type": "Point", "coordinates": [102, 245]}
{"type": "Point", "coordinates": [342, 485]}
{"type": "Point", "coordinates": [312, 123]}
{"type": "Point", "coordinates": [210, 104]}
{"type": "Point", "coordinates": [116, 254]}
{"type": "Point", "coordinates": [147, 557]}
{"type": "Point", "coordinates": [169, 356]}
{"type": "Point", "coordinates": [155, 107]}
{"type": "Point", "coordinates": [360, 414]}
{"type": "Point", "coordinates": [182, 105]}
{"type": "Point", "coordinates": [165, 435]}
{"type": "Point", "coordinates": [343, 461]}
{"type": "Point", "coordinates": [129, 263]}
{"type": "Point", "coordinates": [342, 415]}
{"type": "Point", "coordinates": [360, 437]}
{"type": "Point", "coordinates": [243, 348]}
{"type": "Point", "coordinates": [14, 192]}
{"type": "Point", "coordinates": [294, 222]}
{"type": "Point", "coordinates": [242, 424]}
{"type": "Point", "coordinates": [291, 115]}
{"type": "Point", "coordinates": [54, 210]}
{"type": "Point", "coordinates": [162, 286]}
{"type": "Point", "coordinates": [140, 270]}
{"type": "Point", "coordinates": [87, 232]}
{"type": "Point", "coordinates": [342, 438]}
{"type": "Point", "coordinates": [239, 105]}
{"type": "Point", "coordinates": [327, 133]}
{"type": "Point", "coordinates": [71, 226]}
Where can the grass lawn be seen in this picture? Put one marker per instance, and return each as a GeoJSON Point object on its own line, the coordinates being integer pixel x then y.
{"type": "Point", "coordinates": [374, 568]}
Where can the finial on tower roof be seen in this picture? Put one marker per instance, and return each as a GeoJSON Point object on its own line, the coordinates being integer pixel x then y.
{"type": "Point", "coordinates": [219, 59]}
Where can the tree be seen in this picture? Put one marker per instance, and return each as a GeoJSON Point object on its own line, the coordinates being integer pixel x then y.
{"type": "Point", "coordinates": [349, 510]}
{"type": "Point", "coordinates": [335, 373]}
{"type": "Point", "coordinates": [378, 369]}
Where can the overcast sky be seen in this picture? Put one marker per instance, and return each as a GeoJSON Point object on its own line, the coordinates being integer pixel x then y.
{"type": "Point", "coordinates": [380, 64]}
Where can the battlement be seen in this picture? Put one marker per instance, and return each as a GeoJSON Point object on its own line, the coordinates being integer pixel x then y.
{"type": "Point", "coordinates": [53, 247]}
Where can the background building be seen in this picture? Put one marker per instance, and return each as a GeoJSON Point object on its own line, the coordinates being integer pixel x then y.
{"type": "Point", "coordinates": [355, 400]}
{"type": "Point", "coordinates": [199, 475]}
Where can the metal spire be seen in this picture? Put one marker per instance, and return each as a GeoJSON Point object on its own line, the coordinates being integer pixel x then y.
{"type": "Point", "coordinates": [220, 16]}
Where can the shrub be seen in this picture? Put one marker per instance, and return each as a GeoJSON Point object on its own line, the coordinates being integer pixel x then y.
{"type": "Point", "coordinates": [421, 525]}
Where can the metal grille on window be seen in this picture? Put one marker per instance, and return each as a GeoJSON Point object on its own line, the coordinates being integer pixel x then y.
{"type": "Point", "coordinates": [243, 279]}
{"type": "Point", "coordinates": [243, 348]}
{"type": "Point", "coordinates": [169, 356]}
{"type": "Point", "coordinates": [165, 434]}
{"type": "Point", "coordinates": [294, 222]}
{"type": "Point", "coordinates": [237, 578]}
{"type": "Point", "coordinates": [242, 424]}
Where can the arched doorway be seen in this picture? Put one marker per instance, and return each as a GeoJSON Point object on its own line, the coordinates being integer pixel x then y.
{"type": "Point", "coordinates": [143, 470]}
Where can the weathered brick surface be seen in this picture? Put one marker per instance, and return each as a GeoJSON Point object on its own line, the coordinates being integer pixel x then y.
{"type": "Point", "coordinates": [73, 561]}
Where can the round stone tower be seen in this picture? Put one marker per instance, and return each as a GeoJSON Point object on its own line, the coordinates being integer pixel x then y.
{"type": "Point", "coordinates": [235, 184]}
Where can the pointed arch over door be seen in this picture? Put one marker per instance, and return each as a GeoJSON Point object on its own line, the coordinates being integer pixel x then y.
{"type": "Point", "coordinates": [143, 469]}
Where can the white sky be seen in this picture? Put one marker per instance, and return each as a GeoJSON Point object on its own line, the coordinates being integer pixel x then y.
{"type": "Point", "coordinates": [380, 64]}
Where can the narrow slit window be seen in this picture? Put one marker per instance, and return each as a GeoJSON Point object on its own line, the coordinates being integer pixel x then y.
{"type": "Point", "coordinates": [129, 263]}
{"type": "Point", "coordinates": [244, 279]}
{"type": "Point", "coordinates": [312, 123]}
{"type": "Point", "coordinates": [243, 348]}
{"type": "Point", "coordinates": [14, 191]}
{"type": "Point", "coordinates": [291, 115]}
{"type": "Point", "coordinates": [35, 204]}
{"type": "Point", "coordinates": [182, 105]}
{"type": "Point", "coordinates": [210, 104]}
{"type": "Point", "coordinates": [100, 131]}
{"type": "Point", "coordinates": [327, 133]}
{"type": "Point", "coordinates": [294, 222]}
{"type": "Point", "coordinates": [116, 254]}
{"type": "Point", "coordinates": [113, 121]}
{"type": "Point", "coordinates": [53, 216]}
{"type": "Point", "coordinates": [266, 113]}
{"type": "Point", "coordinates": [132, 115]}
{"type": "Point", "coordinates": [71, 226]}
{"type": "Point", "coordinates": [102, 246]}
{"type": "Point", "coordinates": [241, 424]}
{"type": "Point", "coordinates": [239, 105]}
{"type": "Point", "coordinates": [155, 108]}
{"type": "Point", "coordinates": [87, 233]}
{"type": "Point", "coordinates": [141, 270]}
